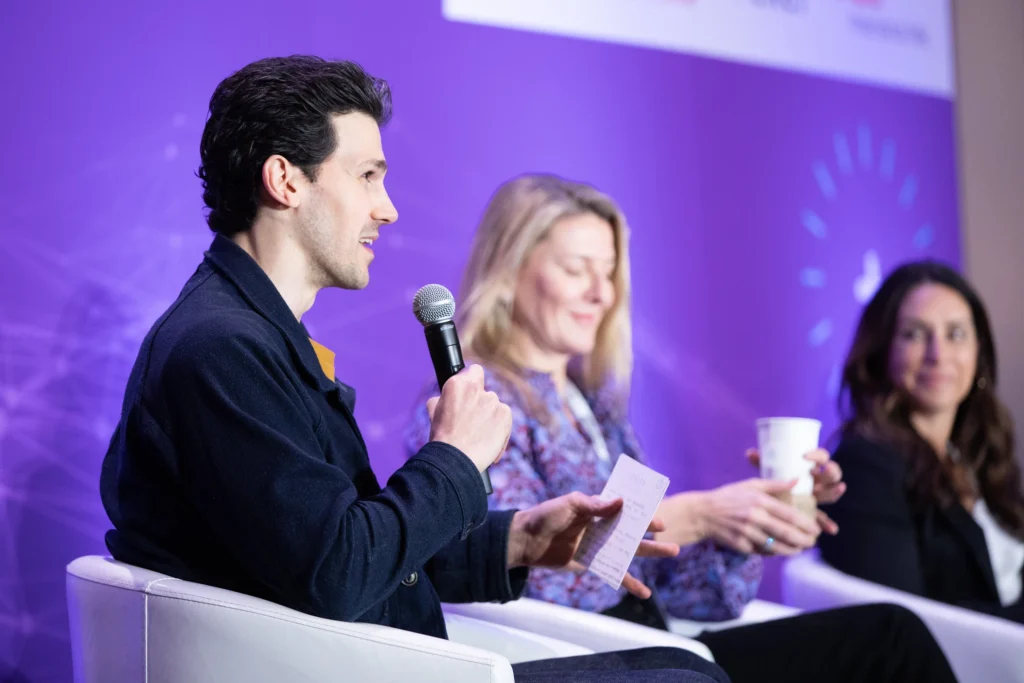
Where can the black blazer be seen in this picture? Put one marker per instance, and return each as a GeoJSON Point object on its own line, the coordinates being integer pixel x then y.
{"type": "Point", "coordinates": [939, 553]}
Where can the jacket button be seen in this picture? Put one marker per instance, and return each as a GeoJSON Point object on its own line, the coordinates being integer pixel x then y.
{"type": "Point", "coordinates": [411, 579]}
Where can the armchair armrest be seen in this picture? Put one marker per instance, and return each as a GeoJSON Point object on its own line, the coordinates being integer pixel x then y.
{"type": "Point", "coordinates": [755, 612]}
{"type": "Point", "coordinates": [129, 624]}
{"type": "Point", "coordinates": [597, 632]}
{"type": "Point", "coordinates": [979, 647]}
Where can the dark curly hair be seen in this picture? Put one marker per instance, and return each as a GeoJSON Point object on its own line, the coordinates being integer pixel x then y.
{"type": "Point", "coordinates": [280, 105]}
{"type": "Point", "coordinates": [873, 407]}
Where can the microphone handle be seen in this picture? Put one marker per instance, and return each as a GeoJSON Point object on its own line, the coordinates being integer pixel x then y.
{"type": "Point", "coordinates": [446, 355]}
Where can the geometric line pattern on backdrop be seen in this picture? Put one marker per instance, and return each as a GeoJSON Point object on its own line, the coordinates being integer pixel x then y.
{"type": "Point", "coordinates": [64, 362]}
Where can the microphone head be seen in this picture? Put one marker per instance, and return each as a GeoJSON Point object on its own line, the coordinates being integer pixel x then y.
{"type": "Point", "coordinates": [433, 304]}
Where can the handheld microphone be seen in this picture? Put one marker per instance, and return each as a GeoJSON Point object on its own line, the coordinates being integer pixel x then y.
{"type": "Point", "coordinates": [434, 307]}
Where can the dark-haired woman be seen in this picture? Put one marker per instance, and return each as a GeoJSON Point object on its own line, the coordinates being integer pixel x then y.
{"type": "Point", "coordinates": [934, 504]}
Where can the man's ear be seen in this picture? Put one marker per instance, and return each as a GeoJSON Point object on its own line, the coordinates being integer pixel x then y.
{"type": "Point", "coordinates": [283, 181]}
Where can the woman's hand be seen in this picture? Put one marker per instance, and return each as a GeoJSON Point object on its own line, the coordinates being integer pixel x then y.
{"type": "Point", "coordinates": [745, 515]}
{"type": "Point", "coordinates": [828, 483]}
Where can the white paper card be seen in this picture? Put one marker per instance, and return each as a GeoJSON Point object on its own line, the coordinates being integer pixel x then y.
{"type": "Point", "coordinates": [608, 546]}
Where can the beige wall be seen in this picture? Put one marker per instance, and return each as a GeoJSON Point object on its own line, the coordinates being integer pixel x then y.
{"type": "Point", "coordinates": [990, 122]}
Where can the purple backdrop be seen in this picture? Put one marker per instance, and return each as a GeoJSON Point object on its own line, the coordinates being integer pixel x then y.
{"type": "Point", "coordinates": [760, 201]}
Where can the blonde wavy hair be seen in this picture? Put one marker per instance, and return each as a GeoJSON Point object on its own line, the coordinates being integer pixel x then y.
{"type": "Point", "coordinates": [518, 218]}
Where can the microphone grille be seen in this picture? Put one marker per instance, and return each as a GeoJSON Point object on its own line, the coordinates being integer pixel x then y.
{"type": "Point", "coordinates": [433, 304]}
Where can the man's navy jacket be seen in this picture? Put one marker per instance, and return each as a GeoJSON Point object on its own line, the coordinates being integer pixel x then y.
{"type": "Point", "coordinates": [238, 463]}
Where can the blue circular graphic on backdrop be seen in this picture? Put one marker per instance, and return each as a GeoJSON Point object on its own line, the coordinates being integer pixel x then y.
{"type": "Point", "coordinates": [864, 216]}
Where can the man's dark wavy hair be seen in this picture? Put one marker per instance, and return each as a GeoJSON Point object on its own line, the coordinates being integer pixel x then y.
{"type": "Point", "coordinates": [280, 105]}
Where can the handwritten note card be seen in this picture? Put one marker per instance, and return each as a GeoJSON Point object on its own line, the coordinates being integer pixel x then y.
{"type": "Point", "coordinates": [609, 545]}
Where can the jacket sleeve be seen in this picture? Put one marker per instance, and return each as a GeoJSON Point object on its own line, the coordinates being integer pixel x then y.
{"type": "Point", "coordinates": [877, 540]}
{"type": "Point", "coordinates": [519, 486]}
{"type": "Point", "coordinates": [475, 569]}
{"type": "Point", "coordinates": [252, 464]}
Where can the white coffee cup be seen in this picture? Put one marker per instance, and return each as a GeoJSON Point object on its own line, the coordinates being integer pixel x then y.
{"type": "Point", "coordinates": [783, 442]}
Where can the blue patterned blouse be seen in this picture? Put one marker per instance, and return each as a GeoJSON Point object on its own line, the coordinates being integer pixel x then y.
{"type": "Point", "coordinates": [706, 582]}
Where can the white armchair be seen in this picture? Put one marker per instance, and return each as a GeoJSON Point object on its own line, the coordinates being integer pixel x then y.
{"type": "Point", "coordinates": [979, 647]}
{"type": "Point", "coordinates": [755, 612]}
{"type": "Point", "coordinates": [596, 632]}
{"type": "Point", "coordinates": [130, 625]}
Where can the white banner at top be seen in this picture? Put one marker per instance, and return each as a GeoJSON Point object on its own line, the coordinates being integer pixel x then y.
{"type": "Point", "coordinates": [904, 44]}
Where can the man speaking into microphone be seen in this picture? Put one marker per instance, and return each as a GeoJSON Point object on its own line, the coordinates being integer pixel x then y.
{"type": "Point", "coordinates": [237, 461]}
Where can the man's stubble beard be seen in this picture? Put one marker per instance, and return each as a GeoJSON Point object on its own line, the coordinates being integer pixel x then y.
{"type": "Point", "coordinates": [332, 265]}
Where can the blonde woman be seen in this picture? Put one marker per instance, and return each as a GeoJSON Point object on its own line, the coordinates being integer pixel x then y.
{"type": "Point", "coordinates": [545, 309]}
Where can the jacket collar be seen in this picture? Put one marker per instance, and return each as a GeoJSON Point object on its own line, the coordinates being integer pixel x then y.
{"type": "Point", "coordinates": [256, 287]}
